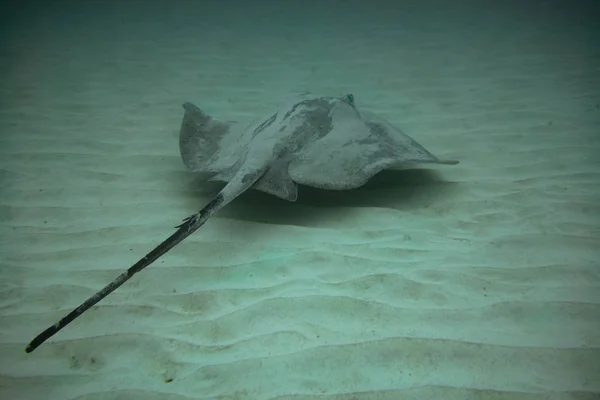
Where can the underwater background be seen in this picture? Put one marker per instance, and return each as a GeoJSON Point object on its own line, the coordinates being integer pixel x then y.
{"type": "Point", "coordinates": [474, 281]}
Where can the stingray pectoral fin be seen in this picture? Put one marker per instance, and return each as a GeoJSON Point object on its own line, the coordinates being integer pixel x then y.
{"type": "Point", "coordinates": [325, 166]}
{"type": "Point", "coordinates": [448, 162]}
{"type": "Point", "coordinates": [201, 139]}
{"type": "Point", "coordinates": [407, 150]}
{"type": "Point", "coordinates": [354, 151]}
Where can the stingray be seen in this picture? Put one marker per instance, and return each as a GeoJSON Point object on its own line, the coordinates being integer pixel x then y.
{"type": "Point", "coordinates": [323, 142]}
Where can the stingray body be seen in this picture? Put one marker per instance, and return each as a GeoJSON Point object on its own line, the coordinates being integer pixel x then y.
{"type": "Point", "coordinates": [324, 142]}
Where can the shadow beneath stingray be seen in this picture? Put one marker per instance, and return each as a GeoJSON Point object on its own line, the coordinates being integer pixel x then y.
{"type": "Point", "coordinates": [405, 190]}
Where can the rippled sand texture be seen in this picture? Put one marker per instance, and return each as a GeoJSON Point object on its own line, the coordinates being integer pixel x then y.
{"type": "Point", "coordinates": [479, 281]}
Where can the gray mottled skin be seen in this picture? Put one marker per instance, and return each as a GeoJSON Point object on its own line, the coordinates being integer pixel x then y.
{"type": "Point", "coordinates": [323, 142]}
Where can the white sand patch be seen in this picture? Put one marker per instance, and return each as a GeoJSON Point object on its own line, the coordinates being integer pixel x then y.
{"type": "Point", "coordinates": [479, 280]}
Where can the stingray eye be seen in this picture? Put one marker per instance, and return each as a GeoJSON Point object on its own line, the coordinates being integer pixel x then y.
{"type": "Point", "coordinates": [350, 98]}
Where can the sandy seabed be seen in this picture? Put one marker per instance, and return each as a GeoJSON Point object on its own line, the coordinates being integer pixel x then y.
{"type": "Point", "coordinates": [474, 281]}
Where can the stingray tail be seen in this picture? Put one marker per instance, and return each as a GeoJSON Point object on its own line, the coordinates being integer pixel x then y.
{"type": "Point", "coordinates": [233, 189]}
